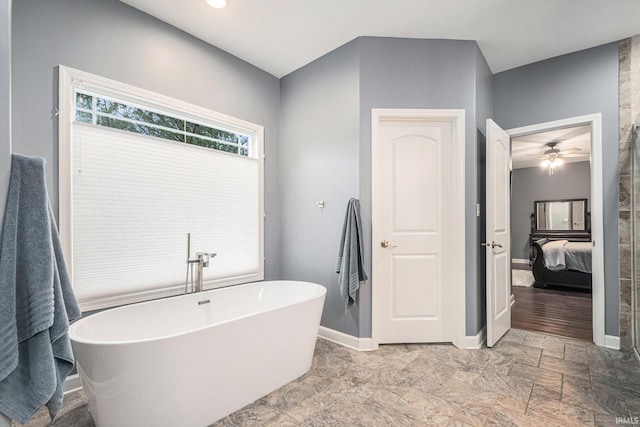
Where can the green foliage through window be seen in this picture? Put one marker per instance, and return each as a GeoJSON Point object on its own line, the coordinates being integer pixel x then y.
{"type": "Point", "coordinates": [113, 114]}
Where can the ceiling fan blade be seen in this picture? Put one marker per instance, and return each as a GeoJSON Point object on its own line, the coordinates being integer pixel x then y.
{"type": "Point", "coordinates": [586, 155]}
{"type": "Point", "coordinates": [568, 150]}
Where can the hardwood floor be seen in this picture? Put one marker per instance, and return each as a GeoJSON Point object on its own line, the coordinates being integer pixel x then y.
{"type": "Point", "coordinates": [551, 311]}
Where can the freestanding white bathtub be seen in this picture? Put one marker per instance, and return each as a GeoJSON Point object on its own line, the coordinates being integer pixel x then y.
{"type": "Point", "coordinates": [174, 362]}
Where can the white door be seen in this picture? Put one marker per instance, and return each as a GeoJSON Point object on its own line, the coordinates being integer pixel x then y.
{"type": "Point", "coordinates": [412, 226]}
{"type": "Point", "coordinates": [498, 244]}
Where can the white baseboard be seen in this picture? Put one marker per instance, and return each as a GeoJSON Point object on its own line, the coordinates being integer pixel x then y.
{"type": "Point", "coordinates": [366, 344]}
{"type": "Point", "coordinates": [519, 261]}
{"type": "Point", "coordinates": [72, 383]}
{"type": "Point", "coordinates": [612, 342]}
{"type": "Point", "coordinates": [474, 342]}
{"type": "Point", "coordinates": [355, 343]}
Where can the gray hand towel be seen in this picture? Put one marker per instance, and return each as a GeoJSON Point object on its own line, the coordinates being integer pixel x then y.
{"type": "Point", "coordinates": [36, 298]}
{"type": "Point", "coordinates": [350, 263]}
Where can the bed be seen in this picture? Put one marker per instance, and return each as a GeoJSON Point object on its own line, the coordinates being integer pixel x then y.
{"type": "Point", "coordinates": [561, 262]}
{"type": "Point", "coordinates": [560, 244]}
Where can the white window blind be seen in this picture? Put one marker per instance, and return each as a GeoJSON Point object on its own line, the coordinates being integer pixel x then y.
{"type": "Point", "coordinates": [135, 198]}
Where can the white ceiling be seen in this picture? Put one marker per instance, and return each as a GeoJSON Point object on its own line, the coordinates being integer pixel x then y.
{"type": "Point", "coordinates": [280, 36]}
{"type": "Point", "coordinates": [527, 151]}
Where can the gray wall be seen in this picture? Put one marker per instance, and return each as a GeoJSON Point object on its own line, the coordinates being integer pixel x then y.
{"type": "Point", "coordinates": [326, 121]}
{"type": "Point", "coordinates": [484, 111]}
{"type": "Point", "coordinates": [5, 103]}
{"type": "Point", "coordinates": [319, 161]}
{"type": "Point", "coordinates": [5, 119]}
{"type": "Point", "coordinates": [580, 83]}
{"type": "Point", "coordinates": [411, 73]}
{"type": "Point", "coordinates": [570, 181]}
{"type": "Point", "coordinates": [325, 150]}
{"type": "Point", "coordinates": [113, 40]}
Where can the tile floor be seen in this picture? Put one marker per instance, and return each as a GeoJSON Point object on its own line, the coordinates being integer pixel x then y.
{"type": "Point", "coordinates": [527, 379]}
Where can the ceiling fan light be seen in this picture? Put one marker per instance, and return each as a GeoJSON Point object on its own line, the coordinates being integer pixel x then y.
{"type": "Point", "coordinates": [559, 162]}
{"type": "Point", "coordinates": [218, 4]}
{"type": "Point", "coordinates": [544, 163]}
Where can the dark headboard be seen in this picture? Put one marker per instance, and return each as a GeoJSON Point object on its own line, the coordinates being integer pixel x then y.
{"type": "Point", "coordinates": [577, 236]}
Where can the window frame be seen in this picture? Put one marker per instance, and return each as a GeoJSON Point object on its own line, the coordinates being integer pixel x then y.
{"type": "Point", "coordinates": [96, 115]}
{"type": "Point", "coordinates": [69, 81]}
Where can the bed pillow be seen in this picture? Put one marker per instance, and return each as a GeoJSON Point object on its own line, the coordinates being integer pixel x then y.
{"type": "Point", "coordinates": [553, 253]}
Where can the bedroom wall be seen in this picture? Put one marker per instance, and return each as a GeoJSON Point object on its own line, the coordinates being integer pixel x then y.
{"type": "Point", "coordinates": [570, 181]}
{"type": "Point", "coordinates": [114, 40]}
{"type": "Point", "coordinates": [572, 85]}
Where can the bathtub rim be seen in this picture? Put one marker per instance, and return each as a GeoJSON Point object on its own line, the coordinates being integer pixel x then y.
{"type": "Point", "coordinates": [321, 293]}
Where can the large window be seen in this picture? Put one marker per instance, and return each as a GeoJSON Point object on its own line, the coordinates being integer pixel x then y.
{"type": "Point", "coordinates": [138, 171]}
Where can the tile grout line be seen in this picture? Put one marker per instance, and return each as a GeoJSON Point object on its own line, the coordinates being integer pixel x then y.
{"type": "Point", "coordinates": [526, 407]}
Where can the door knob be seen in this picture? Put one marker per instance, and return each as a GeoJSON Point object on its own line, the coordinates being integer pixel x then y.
{"type": "Point", "coordinates": [386, 244]}
{"type": "Point", "coordinates": [491, 245]}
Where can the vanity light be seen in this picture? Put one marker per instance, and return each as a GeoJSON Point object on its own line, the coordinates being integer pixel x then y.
{"type": "Point", "coordinates": [218, 4]}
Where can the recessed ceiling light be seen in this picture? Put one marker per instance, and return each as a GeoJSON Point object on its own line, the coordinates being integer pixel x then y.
{"type": "Point", "coordinates": [218, 4]}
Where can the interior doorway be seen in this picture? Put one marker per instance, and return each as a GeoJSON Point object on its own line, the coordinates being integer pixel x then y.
{"type": "Point", "coordinates": [565, 159]}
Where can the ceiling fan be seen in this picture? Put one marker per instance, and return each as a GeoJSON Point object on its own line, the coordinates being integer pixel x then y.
{"type": "Point", "coordinates": [552, 157]}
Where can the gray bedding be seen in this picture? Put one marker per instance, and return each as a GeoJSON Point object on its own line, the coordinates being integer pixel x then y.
{"type": "Point", "coordinates": [578, 256]}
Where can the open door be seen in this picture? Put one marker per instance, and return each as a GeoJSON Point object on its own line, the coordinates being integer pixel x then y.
{"type": "Point", "coordinates": [498, 244]}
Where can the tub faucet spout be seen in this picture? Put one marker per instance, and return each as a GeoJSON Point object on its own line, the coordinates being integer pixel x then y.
{"type": "Point", "coordinates": [202, 260]}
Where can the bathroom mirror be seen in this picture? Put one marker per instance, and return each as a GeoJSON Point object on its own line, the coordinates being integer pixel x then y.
{"type": "Point", "coordinates": [561, 215]}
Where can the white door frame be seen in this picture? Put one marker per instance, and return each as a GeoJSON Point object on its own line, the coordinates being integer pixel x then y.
{"type": "Point", "coordinates": [597, 233]}
{"type": "Point", "coordinates": [457, 117]}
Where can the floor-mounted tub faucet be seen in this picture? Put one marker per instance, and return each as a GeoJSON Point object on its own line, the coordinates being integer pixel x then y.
{"type": "Point", "coordinates": [202, 260]}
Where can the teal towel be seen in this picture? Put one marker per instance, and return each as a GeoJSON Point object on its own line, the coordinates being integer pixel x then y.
{"type": "Point", "coordinates": [350, 265]}
{"type": "Point", "coordinates": [36, 298]}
